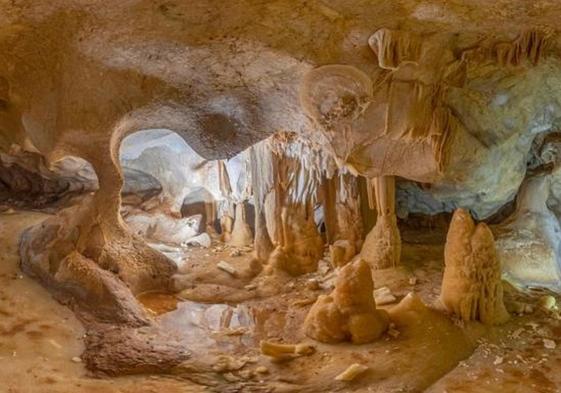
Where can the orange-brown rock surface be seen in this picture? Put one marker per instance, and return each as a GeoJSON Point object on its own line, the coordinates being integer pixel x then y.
{"type": "Point", "coordinates": [471, 287]}
{"type": "Point", "coordinates": [349, 313]}
{"type": "Point", "coordinates": [447, 96]}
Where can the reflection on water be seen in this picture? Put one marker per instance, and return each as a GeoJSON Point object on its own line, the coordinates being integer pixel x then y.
{"type": "Point", "coordinates": [219, 326]}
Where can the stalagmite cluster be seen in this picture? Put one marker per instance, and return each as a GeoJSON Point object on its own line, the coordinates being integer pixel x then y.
{"type": "Point", "coordinates": [349, 313]}
{"type": "Point", "coordinates": [472, 287]}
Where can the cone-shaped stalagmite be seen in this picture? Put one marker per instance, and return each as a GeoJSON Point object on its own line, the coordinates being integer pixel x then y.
{"type": "Point", "coordinates": [349, 313]}
{"type": "Point", "coordinates": [471, 286]}
{"type": "Point", "coordinates": [241, 233]}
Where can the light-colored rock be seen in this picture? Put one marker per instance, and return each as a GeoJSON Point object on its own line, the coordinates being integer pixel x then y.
{"type": "Point", "coordinates": [549, 344]}
{"type": "Point", "coordinates": [528, 242]}
{"type": "Point", "coordinates": [384, 296]}
{"type": "Point", "coordinates": [163, 227]}
{"type": "Point", "coordinates": [202, 240]}
{"type": "Point", "coordinates": [547, 303]}
{"type": "Point", "coordinates": [281, 351]}
{"type": "Point", "coordinates": [225, 266]}
{"type": "Point", "coordinates": [261, 370]}
{"type": "Point", "coordinates": [352, 372]}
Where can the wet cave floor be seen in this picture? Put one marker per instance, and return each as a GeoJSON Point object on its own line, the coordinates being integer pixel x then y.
{"type": "Point", "coordinates": [221, 319]}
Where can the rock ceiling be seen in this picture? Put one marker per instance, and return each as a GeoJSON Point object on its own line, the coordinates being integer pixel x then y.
{"type": "Point", "coordinates": [207, 67]}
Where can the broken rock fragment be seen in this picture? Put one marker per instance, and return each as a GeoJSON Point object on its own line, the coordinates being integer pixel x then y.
{"type": "Point", "coordinates": [383, 296]}
{"type": "Point", "coordinates": [285, 351]}
{"type": "Point", "coordinates": [351, 373]}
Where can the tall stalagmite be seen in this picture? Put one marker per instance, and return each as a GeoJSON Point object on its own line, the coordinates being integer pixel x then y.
{"type": "Point", "coordinates": [472, 287]}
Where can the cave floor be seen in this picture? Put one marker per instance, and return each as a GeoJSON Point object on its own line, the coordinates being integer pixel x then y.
{"type": "Point", "coordinates": [221, 320]}
{"type": "Point", "coordinates": [39, 338]}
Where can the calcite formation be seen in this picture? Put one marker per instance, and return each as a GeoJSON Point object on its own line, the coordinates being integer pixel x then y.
{"type": "Point", "coordinates": [342, 217]}
{"type": "Point", "coordinates": [527, 240]}
{"type": "Point", "coordinates": [401, 114]}
{"type": "Point", "coordinates": [472, 286]}
{"type": "Point", "coordinates": [241, 233]}
{"type": "Point", "coordinates": [382, 246]}
{"type": "Point", "coordinates": [349, 313]}
{"type": "Point", "coordinates": [289, 204]}
{"type": "Point", "coordinates": [255, 152]}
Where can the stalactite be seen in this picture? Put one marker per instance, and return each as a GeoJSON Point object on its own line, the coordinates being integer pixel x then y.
{"type": "Point", "coordinates": [529, 46]}
{"type": "Point", "coordinates": [289, 197]}
{"type": "Point", "coordinates": [394, 47]}
{"type": "Point", "coordinates": [299, 245]}
{"type": "Point", "coordinates": [241, 233]}
{"type": "Point", "coordinates": [371, 124]}
{"type": "Point", "coordinates": [349, 219]}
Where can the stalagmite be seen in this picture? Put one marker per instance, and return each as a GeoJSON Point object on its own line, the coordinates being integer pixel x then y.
{"type": "Point", "coordinates": [471, 286]}
{"type": "Point", "coordinates": [241, 233]}
{"type": "Point", "coordinates": [382, 246]}
{"type": "Point", "coordinates": [341, 252]}
{"type": "Point", "coordinates": [349, 313]}
{"type": "Point", "coordinates": [300, 247]}
{"type": "Point", "coordinates": [227, 211]}
{"type": "Point", "coordinates": [529, 46]}
{"type": "Point", "coordinates": [236, 189]}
